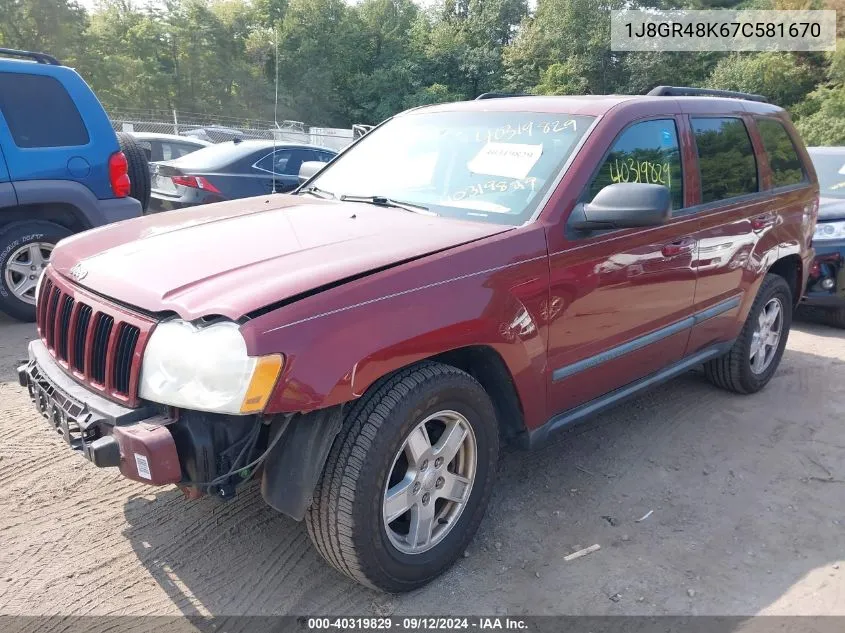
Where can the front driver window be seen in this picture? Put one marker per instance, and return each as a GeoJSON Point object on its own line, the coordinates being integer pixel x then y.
{"type": "Point", "coordinates": [646, 152]}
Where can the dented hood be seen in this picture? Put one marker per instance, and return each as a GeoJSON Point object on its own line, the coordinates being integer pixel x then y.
{"type": "Point", "coordinates": [234, 257]}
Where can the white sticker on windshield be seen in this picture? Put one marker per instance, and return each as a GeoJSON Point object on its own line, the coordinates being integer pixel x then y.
{"type": "Point", "coordinates": [842, 170]}
{"type": "Point", "coordinates": [508, 160]}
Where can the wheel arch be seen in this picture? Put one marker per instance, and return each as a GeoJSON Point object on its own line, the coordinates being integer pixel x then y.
{"type": "Point", "coordinates": [791, 269]}
{"type": "Point", "coordinates": [62, 213]}
{"type": "Point", "coordinates": [486, 365]}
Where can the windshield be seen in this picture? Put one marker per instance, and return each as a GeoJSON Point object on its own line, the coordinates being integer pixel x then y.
{"type": "Point", "coordinates": [830, 169]}
{"type": "Point", "coordinates": [486, 166]}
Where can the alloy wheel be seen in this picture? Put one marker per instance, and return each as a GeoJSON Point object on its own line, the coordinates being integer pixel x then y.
{"type": "Point", "coordinates": [24, 267]}
{"type": "Point", "coordinates": [766, 336]}
{"type": "Point", "coordinates": [430, 482]}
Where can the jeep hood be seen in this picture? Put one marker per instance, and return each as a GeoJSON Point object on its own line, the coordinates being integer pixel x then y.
{"type": "Point", "coordinates": [831, 209]}
{"type": "Point", "coordinates": [234, 257]}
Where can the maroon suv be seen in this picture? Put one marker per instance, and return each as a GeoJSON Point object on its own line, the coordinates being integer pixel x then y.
{"type": "Point", "coordinates": [463, 275]}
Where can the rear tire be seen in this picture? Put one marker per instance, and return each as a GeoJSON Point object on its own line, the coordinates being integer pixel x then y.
{"type": "Point", "coordinates": [836, 317]}
{"type": "Point", "coordinates": [139, 169]}
{"type": "Point", "coordinates": [741, 370]}
{"type": "Point", "coordinates": [379, 450]}
{"type": "Point", "coordinates": [24, 245]}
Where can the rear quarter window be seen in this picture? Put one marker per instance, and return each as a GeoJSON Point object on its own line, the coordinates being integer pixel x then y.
{"type": "Point", "coordinates": [171, 150]}
{"type": "Point", "coordinates": [725, 158]}
{"type": "Point", "coordinates": [40, 112]}
{"type": "Point", "coordinates": [784, 162]}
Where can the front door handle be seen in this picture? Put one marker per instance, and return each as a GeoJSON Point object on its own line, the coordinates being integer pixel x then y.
{"type": "Point", "coordinates": [678, 247]}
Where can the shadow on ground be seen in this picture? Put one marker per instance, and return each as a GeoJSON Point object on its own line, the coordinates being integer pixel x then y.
{"type": "Point", "coordinates": [703, 502]}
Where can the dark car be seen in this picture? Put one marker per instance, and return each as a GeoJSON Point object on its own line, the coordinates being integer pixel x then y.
{"type": "Point", "coordinates": [161, 147]}
{"type": "Point", "coordinates": [62, 170]}
{"type": "Point", "coordinates": [464, 274]}
{"type": "Point", "coordinates": [826, 289]}
{"type": "Point", "coordinates": [229, 170]}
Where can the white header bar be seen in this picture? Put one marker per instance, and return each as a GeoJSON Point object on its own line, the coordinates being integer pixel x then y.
{"type": "Point", "coordinates": [723, 30]}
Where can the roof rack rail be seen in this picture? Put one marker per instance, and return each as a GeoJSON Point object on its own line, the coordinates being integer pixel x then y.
{"type": "Point", "coordinates": [41, 58]}
{"type": "Point", "coordinates": [683, 91]}
{"type": "Point", "coordinates": [500, 95]}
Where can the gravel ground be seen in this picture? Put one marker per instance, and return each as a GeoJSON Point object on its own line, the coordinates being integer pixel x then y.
{"type": "Point", "coordinates": [743, 497]}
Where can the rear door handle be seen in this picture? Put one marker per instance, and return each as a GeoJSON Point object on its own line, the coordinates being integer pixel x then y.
{"type": "Point", "coordinates": [678, 247]}
{"type": "Point", "coordinates": [762, 221]}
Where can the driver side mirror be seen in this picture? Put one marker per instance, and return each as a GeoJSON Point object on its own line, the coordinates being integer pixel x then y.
{"type": "Point", "coordinates": [624, 205]}
{"type": "Point", "coordinates": [308, 169]}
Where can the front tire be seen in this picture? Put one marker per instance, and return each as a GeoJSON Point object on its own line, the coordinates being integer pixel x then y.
{"type": "Point", "coordinates": [408, 478]}
{"type": "Point", "coordinates": [755, 355]}
{"type": "Point", "coordinates": [25, 249]}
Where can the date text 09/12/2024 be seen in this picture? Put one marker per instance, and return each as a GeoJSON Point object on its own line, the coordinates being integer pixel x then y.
{"type": "Point", "coordinates": [419, 623]}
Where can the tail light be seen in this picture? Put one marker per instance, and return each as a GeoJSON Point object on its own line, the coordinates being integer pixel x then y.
{"type": "Point", "coordinates": [195, 182]}
{"type": "Point", "coordinates": [119, 175]}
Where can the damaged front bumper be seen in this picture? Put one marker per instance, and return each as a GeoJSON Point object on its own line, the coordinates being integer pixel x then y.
{"type": "Point", "coordinates": [203, 453]}
{"type": "Point", "coordinates": [826, 282]}
{"type": "Point", "coordinates": [137, 441]}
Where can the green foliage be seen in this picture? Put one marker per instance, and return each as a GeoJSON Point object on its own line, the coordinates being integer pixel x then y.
{"type": "Point", "coordinates": [783, 78]}
{"type": "Point", "coordinates": [822, 116]}
{"type": "Point", "coordinates": [341, 63]}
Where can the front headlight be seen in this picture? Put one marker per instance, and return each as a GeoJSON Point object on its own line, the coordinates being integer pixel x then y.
{"type": "Point", "coordinates": [206, 369]}
{"type": "Point", "coordinates": [830, 231]}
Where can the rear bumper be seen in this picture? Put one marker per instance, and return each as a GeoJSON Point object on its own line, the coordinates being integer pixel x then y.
{"type": "Point", "coordinates": [137, 441]}
{"type": "Point", "coordinates": [160, 201]}
{"type": "Point", "coordinates": [828, 269]}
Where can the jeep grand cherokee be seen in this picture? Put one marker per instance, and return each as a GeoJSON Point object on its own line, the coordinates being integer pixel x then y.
{"type": "Point", "coordinates": [465, 274]}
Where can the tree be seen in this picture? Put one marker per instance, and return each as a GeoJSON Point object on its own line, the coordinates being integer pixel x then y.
{"type": "Point", "coordinates": [575, 36]}
{"type": "Point", "coordinates": [784, 78]}
{"type": "Point", "coordinates": [51, 26]}
{"type": "Point", "coordinates": [821, 117]}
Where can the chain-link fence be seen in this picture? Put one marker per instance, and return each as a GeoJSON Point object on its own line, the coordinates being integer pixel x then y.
{"type": "Point", "coordinates": [218, 129]}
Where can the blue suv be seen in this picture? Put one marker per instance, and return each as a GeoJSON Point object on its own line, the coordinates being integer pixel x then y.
{"type": "Point", "coordinates": [63, 169]}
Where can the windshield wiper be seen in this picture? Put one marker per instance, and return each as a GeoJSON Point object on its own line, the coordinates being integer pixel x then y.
{"type": "Point", "coordinates": [319, 193]}
{"type": "Point", "coordinates": [382, 201]}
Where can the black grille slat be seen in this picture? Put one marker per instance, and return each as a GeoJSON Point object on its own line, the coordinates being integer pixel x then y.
{"type": "Point", "coordinates": [50, 321]}
{"type": "Point", "coordinates": [94, 342]}
{"type": "Point", "coordinates": [126, 342]}
{"type": "Point", "coordinates": [83, 320]}
{"type": "Point", "coordinates": [64, 327]}
{"type": "Point", "coordinates": [43, 302]}
{"type": "Point", "coordinates": [100, 347]}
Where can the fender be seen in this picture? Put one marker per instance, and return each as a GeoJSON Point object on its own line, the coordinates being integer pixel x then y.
{"type": "Point", "coordinates": [8, 198]}
{"type": "Point", "coordinates": [337, 343]}
{"type": "Point", "coordinates": [786, 236]}
{"type": "Point", "coordinates": [89, 210]}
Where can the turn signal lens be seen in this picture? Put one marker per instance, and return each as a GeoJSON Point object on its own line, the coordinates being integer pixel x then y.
{"type": "Point", "coordinates": [264, 378]}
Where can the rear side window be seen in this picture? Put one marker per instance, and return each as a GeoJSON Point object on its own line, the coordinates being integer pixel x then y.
{"type": "Point", "coordinates": [725, 158]}
{"type": "Point", "coordinates": [276, 162]}
{"type": "Point", "coordinates": [40, 112]}
{"type": "Point", "coordinates": [646, 152]}
{"type": "Point", "coordinates": [176, 150]}
{"type": "Point", "coordinates": [284, 162]}
{"type": "Point", "coordinates": [783, 159]}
